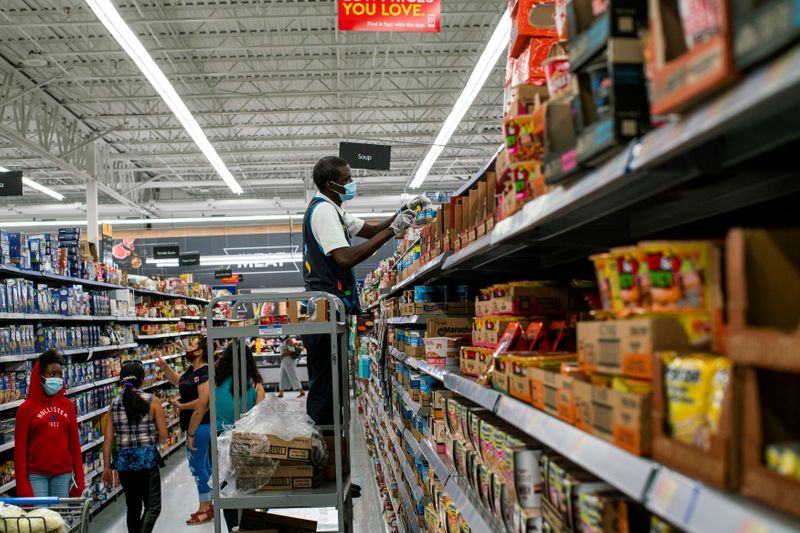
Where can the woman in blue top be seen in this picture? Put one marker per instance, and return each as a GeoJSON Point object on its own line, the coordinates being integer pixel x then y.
{"type": "Point", "coordinates": [224, 402]}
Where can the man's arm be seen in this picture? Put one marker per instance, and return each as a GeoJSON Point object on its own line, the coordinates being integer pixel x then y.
{"type": "Point", "coordinates": [369, 230]}
{"type": "Point", "coordinates": [350, 256]}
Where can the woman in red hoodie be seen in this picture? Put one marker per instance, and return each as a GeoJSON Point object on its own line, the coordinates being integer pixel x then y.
{"type": "Point", "coordinates": [47, 448]}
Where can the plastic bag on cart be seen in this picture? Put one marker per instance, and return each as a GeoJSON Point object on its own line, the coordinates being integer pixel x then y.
{"type": "Point", "coordinates": [245, 461]}
{"type": "Point", "coordinates": [14, 519]}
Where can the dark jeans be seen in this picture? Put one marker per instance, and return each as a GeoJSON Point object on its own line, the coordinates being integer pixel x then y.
{"type": "Point", "coordinates": [142, 489]}
{"type": "Point", "coordinates": [319, 403]}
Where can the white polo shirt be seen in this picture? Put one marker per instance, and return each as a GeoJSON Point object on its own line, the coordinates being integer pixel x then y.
{"type": "Point", "coordinates": [327, 228]}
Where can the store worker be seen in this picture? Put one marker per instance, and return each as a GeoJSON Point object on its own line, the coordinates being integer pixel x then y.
{"type": "Point", "coordinates": [195, 421]}
{"type": "Point", "coordinates": [138, 424]}
{"type": "Point", "coordinates": [47, 447]}
{"type": "Point", "coordinates": [329, 257]}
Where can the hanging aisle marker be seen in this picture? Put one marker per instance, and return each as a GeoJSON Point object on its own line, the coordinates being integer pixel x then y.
{"type": "Point", "coordinates": [397, 15]}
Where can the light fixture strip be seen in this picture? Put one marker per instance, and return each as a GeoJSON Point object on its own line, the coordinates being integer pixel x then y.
{"type": "Point", "coordinates": [119, 29]}
{"type": "Point", "coordinates": [38, 186]}
{"type": "Point", "coordinates": [494, 49]}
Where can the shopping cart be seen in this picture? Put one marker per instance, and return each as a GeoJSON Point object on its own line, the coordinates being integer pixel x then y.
{"type": "Point", "coordinates": [74, 511]}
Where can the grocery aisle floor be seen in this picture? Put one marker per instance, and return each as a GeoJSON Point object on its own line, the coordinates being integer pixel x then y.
{"type": "Point", "coordinates": [177, 487]}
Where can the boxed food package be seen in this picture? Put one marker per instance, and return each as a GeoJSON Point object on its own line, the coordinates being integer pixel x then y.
{"type": "Point", "coordinates": [438, 350]}
{"type": "Point", "coordinates": [692, 55]}
{"type": "Point", "coordinates": [450, 326]}
{"type": "Point", "coordinates": [529, 298]}
{"type": "Point", "coordinates": [531, 18]}
{"type": "Point", "coordinates": [627, 347]}
{"type": "Point", "coordinates": [474, 360]}
{"type": "Point", "coordinates": [623, 419]}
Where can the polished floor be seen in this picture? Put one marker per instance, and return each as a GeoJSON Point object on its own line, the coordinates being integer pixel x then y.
{"type": "Point", "coordinates": [179, 497]}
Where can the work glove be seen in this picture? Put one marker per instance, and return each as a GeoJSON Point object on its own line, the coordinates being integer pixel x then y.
{"type": "Point", "coordinates": [402, 222]}
{"type": "Point", "coordinates": [419, 201]}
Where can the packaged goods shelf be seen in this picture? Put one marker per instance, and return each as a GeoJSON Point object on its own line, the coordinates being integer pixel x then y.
{"type": "Point", "coordinates": [10, 405]}
{"type": "Point", "coordinates": [167, 335]}
{"type": "Point", "coordinates": [415, 407]}
{"type": "Point", "coordinates": [470, 388]}
{"type": "Point", "coordinates": [412, 443]}
{"type": "Point", "coordinates": [7, 271]}
{"type": "Point", "coordinates": [92, 444]}
{"type": "Point", "coordinates": [6, 446]}
{"type": "Point", "coordinates": [627, 472]}
{"type": "Point", "coordinates": [159, 294]}
{"type": "Point", "coordinates": [8, 486]}
{"type": "Point", "coordinates": [89, 416]}
{"type": "Point", "coordinates": [470, 508]}
{"type": "Point", "coordinates": [164, 357]}
{"type": "Point", "coordinates": [96, 349]}
{"type": "Point", "coordinates": [156, 384]}
{"type": "Point", "coordinates": [438, 463]}
{"type": "Point", "coordinates": [408, 249]}
{"type": "Point", "coordinates": [92, 385]}
{"type": "Point", "coordinates": [274, 330]}
{"type": "Point", "coordinates": [424, 272]}
{"type": "Point", "coordinates": [698, 508]}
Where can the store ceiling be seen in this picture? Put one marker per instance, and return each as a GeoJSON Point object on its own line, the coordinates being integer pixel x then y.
{"type": "Point", "coordinates": [272, 83]}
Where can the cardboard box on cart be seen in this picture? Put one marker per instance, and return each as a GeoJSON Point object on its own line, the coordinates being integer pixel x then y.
{"type": "Point", "coordinates": [258, 522]}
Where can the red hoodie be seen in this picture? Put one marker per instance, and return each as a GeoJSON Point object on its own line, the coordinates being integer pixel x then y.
{"type": "Point", "coordinates": [46, 439]}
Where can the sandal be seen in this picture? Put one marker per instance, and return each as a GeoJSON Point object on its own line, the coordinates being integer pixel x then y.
{"type": "Point", "coordinates": [201, 518]}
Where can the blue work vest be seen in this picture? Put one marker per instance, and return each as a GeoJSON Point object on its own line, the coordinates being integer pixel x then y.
{"type": "Point", "coordinates": [321, 272]}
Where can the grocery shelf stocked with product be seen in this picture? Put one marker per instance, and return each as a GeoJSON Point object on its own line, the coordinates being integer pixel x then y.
{"type": "Point", "coordinates": [54, 296]}
{"type": "Point", "coordinates": [598, 330]}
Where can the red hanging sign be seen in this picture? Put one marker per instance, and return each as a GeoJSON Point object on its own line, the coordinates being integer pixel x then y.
{"type": "Point", "coordinates": [390, 15]}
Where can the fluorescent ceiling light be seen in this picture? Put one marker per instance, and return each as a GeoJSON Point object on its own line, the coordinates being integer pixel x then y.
{"type": "Point", "coordinates": [38, 186]}
{"type": "Point", "coordinates": [111, 19]}
{"type": "Point", "coordinates": [240, 260]}
{"type": "Point", "coordinates": [167, 221]}
{"type": "Point", "coordinates": [494, 49]}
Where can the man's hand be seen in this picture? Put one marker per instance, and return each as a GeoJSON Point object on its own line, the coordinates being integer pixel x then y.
{"type": "Point", "coordinates": [106, 476]}
{"type": "Point", "coordinates": [402, 222]}
{"type": "Point", "coordinates": [419, 201]}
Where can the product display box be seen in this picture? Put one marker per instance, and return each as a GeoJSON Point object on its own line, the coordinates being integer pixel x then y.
{"type": "Point", "coordinates": [627, 347]}
{"type": "Point", "coordinates": [717, 466]}
{"type": "Point", "coordinates": [473, 361]}
{"type": "Point", "coordinates": [762, 28]}
{"type": "Point", "coordinates": [524, 300]}
{"type": "Point", "coordinates": [763, 279]}
{"type": "Point", "coordinates": [256, 521]}
{"type": "Point", "coordinates": [623, 419]}
{"type": "Point", "coordinates": [531, 18]}
{"type": "Point", "coordinates": [688, 66]}
{"type": "Point", "coordinates": [612, 106]}
{"type": "Point", "coordinates": [436, 308]}
{"type": "Point", "coordinates": [589, 35]}
{"type": "Point", "coordinates": [295, 477]}
{"type": "Point", "coordinates": [560, 141]}
{"type": "Point", "coordinates": [769, 417]}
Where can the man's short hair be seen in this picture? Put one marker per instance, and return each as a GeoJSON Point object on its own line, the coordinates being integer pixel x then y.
{"type": "Point", "coordinates": [328, 169]}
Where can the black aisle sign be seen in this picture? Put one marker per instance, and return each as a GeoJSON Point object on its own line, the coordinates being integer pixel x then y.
{"type": "Point", "coordinates": [222, 273]}
{"type": "Point", "coordinates": [11, 183]}
{"type": "Point", "coordinates": [168, 251]}
{"type": "Point", "coordinates": [189, 259]}
{"type": "Point", "coordinates": [369, 156]}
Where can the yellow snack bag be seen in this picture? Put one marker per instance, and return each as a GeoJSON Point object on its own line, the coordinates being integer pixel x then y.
{"type": "Point", "coordinates": [719, 388]}
{"type": "Point", "coordinates": [688, 382]}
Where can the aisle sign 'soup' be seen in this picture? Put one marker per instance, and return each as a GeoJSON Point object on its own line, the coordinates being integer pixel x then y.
{"type": "Point", "coordinates": [390, 15]}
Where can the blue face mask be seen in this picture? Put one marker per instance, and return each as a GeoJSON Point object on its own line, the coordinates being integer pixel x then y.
{"type": "Point", "coordinates": [349, 191]}
{"type": "Point", "coordinates": [53, 385]}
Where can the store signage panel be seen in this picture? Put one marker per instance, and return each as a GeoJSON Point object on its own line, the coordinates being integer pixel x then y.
{"type": "Point", "coordinates": [223, 273]}
{"type": "Point", "coordinates": [169, 251]}
{"type": "Point", "coordinates": [189, 260]}
{"type": "Point", "coordinates": [414, 16]}
{"type": "Point", "coordinates": [368, 156]}
{"type": "Point", "coordinates": [11, 183]}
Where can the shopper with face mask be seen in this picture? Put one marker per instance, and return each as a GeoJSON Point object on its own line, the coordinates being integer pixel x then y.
{"type": "Point", "coordinates": [195, 421]}
{"type": "Point", "coordinates": [47, 448]}
{"type": "Point", "coordinates": [137, 422]}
